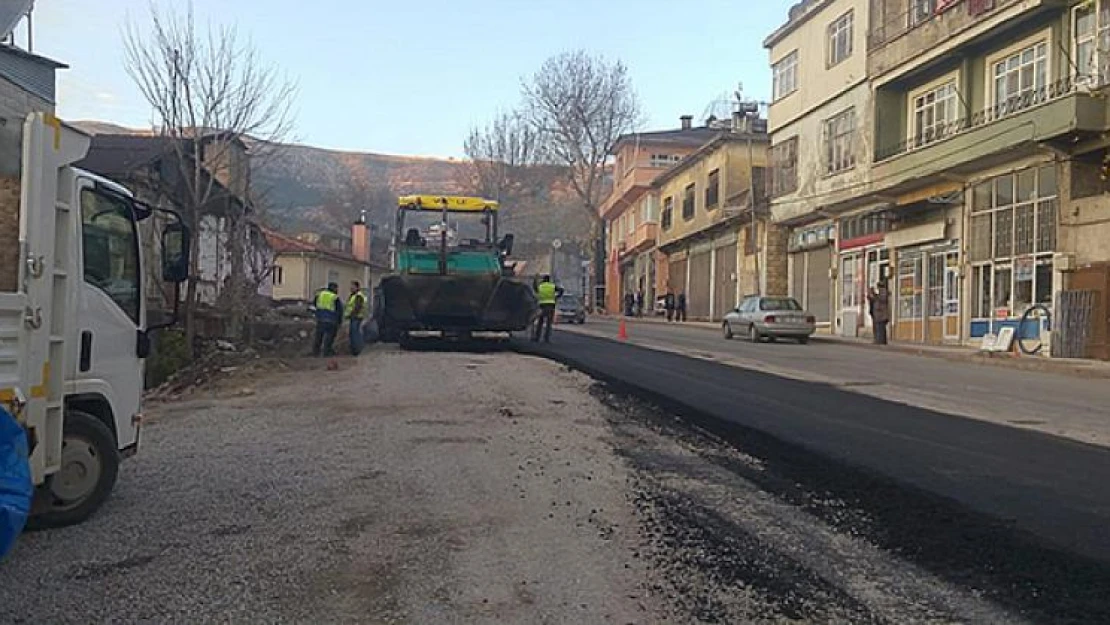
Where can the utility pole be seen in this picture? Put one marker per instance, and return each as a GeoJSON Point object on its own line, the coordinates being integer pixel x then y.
{"type": "Point", "coordinates": [749, 111]}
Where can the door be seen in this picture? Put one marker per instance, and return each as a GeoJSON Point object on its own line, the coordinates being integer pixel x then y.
{"type": "Point", "coordinates": [952, 296]}
{"type": "Point", "coordinates": [697, 297]}
{"type": "Point", "coordinates": [878, 266]}
{"type": "Point", "coordinates": [818, 287]}
{"type": "Point", "coordinates": [111, 305]}
{"type": "Point", "coordinates": [909, 297]}
{"type": "Point", "coordinates": [724, 285]}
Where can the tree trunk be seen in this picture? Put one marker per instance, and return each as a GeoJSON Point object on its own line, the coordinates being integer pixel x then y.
{"type": "Point", "coordinates": [190, 303]}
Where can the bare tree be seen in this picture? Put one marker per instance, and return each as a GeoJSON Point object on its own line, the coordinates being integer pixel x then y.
{"type": "Point", "coordinates": [503, 157]}
{"type": "Point", "coordinates": [581, 104]}
{"type": "Point", "coordinates": [210, 93]}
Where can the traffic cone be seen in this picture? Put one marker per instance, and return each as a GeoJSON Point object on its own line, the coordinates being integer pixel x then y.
{"type": "Point", "coordinates": [622, 331]}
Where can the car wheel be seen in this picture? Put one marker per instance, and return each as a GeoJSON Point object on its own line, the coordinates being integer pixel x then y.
{"type": "Point", "coordinates": [727, 330]}
{"type": "Point", "coordinates": [802, 340]}
{"type": "Point", "coordinates": [753, 334]}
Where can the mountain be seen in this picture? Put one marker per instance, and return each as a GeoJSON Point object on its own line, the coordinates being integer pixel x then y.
{"type": "Point", "coordinates": [310, 189]}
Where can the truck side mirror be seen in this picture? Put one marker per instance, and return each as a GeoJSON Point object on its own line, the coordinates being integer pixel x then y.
{"type": "Point", "coordinates": [175, 253]}
{"type": "Point", "coordinates": [506, 244]}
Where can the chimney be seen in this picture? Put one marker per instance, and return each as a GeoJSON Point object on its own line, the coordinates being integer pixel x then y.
{"type": "Point", "coordinates": [360, 239]}
{"type": "Point", "coordinates": [687, 121]}
{"type": "Point", "coordinates": [737, 121]}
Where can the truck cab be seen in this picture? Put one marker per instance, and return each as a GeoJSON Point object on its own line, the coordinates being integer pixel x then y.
{"type": "Point", "coordinates": [73, 332]}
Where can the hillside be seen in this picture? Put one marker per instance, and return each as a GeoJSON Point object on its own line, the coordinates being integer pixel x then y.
{"type": "Point", "coordinates": [305, 188]}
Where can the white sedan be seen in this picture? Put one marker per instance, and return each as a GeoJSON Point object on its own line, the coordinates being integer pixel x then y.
{"type": "Point", "coordinates": [771, 317]}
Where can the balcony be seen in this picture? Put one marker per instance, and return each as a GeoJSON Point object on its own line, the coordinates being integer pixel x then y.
{"type": "Point", "coordinates": [1062, 110]}
{"type": "Point", "coordinates": [642, 238]}
{"type": "Point", "coordinates": [899, 39]}
{"type": "Point", "coordinates": [629, 189]}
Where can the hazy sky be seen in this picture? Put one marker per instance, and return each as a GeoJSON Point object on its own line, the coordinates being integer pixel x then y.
{"type": "Point", "coordinates": [412, 77]}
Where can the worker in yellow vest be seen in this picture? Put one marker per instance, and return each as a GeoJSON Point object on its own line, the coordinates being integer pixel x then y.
{"type": "Point", "coordinates": [547, 294]}
{"type": "Point", "coordinates": [355, 312]}
{"type": "Point", "coordinates": [329, 311]}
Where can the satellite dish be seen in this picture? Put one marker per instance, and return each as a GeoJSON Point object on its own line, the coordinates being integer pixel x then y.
{"type": "Point", "coordinates": [11, 12]}
{"type": "Point", "coordinates": [556, 244]}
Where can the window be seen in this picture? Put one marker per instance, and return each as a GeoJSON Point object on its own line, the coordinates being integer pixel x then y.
{"type": "Point", "coordinates": [933, 114]}
{"type": "Point", "coordinates": [784, 163]}
{"type": "Point", "coordinates": [1020, 79]}
{"type": "Point", "coordinates": [664, 160]}
{"type": "Point", "coordinates": [784, 76]}
{"type": "Point", "coordinates": [649, 209]}
{"type": "Point", "coordinates": [849, 282]}
{"type": "Point", "coordinates": [840, 39]}
{"type": "Point", "coordinates": [840, 131]}
{"type": "Point", "coordinates": [1013, 237]}
{"type": "Point", "coordinates": [1091, 42]}
{"type": "Point", "coordinates": [921, 11]}
{"type": "Point", "coordinates": [688, 202]}
{"type": "Point", "coordinates": [668, 212]}
{"type": "Point", "coordinates": [279, 275]}
{"type": "Point", "coordinates": [111, 249]}
{"type": "Point", "coordinates": [713, 189]}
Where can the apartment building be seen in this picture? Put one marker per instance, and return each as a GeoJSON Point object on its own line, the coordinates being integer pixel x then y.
{"type": "Point", "coordinates": [631, 211]}
{"type": "Point", "coordinates": [715, 250]}
{"type": "Point", "coordinates": [990, 150]}
{"type": "Point", "coordinates": [820, 123]}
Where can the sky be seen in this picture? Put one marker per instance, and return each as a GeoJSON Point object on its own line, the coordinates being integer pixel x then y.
{"type": "Point", "coordinates": [413, 77]}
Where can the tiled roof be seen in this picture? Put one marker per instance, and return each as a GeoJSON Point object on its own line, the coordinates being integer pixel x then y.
{"type": "Point", "coordinates": [283, 244]}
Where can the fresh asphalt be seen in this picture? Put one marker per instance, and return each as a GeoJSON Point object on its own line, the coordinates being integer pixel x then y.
{"type": "Point", "coordinates": [978, 502]}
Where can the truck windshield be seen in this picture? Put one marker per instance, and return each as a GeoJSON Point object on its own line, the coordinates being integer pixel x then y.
{"type": "Point", "coordinates": [424, 228]}
{"type": "Point", "coordinates": [111, 249]}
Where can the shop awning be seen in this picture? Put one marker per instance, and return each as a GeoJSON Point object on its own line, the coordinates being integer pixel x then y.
{"type": "Point", "coordinates": [916, 235]}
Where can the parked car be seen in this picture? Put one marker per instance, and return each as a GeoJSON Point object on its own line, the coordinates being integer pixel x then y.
{"type": "Point", "coordinates": [570, 309]}
{"type": "Point", "coordinates": [772, 317]}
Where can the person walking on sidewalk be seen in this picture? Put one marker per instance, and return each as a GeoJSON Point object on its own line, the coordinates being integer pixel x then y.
{"type": "Point", "coordinates": [356, 316]}
{"type": "Point", "coordinates": [640, 303]}
{"type": "Point", "coordinates": [668, 305]}
{"type": "Point", "coordinates": [680, 308]}
{"type": "Point", "coordinates": [547, 294]}
{"type": "Point", "coordinates": [329, 311]}
{"type": "Point", "coordinates": [878, 301]}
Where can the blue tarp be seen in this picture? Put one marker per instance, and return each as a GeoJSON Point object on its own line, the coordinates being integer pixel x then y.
{"type": "Point", "coordinates": [16, 489]}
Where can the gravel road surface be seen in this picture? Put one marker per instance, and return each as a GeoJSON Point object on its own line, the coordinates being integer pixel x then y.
{"type": "Point", "coordinates": [460, 488]}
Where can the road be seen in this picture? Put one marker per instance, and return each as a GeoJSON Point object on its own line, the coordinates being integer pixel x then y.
{"type": "Point", "coordinates": [1056, 404]}
{"type": "Point", "coordinates": [985, 505]}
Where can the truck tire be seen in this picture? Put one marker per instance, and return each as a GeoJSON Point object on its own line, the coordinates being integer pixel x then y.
{"type": "Point", "coordinates": [90, 465]}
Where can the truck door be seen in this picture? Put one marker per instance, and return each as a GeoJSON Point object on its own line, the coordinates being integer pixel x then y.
{"type": "Point", "coordinates": [111, 306]}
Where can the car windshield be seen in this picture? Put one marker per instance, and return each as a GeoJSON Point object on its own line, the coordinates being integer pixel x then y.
{"type": "Point", "coordinates": [779, 303]}
{"type": "Point", "coordinates": [568, 301]}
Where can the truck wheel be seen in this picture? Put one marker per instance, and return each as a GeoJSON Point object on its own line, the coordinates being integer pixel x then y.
{"type": "Point", "coordinates": [90, 465]}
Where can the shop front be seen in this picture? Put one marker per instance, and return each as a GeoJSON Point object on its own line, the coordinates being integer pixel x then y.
{"type": "Point", "coordinates": [1012, 241]}
{"type": "Point", "coordinates": [862, 259]}
{"type": "Point", "coordinates": [809, 263]}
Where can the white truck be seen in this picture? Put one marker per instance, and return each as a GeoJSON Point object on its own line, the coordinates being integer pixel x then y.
{"type": "Point", "coordinates": [72, 330]}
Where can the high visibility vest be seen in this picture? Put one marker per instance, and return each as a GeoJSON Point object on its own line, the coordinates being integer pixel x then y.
{"type": "Point", "coordinates": [325, 300]}
{"type": "Point", "coordinates": [545, 292]}
{"type": "Point", "coordinates": [352, 302]}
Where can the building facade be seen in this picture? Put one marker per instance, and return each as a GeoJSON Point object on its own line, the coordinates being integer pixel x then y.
{"type": "Point", "coordinates": [820, 121]}
{"type": "Point", "coordinates": [975, 173]}
{"type": "Point", "coordinates": [990, 123]}
{"type": "Point", "coordinates": [631, 211]}
{"type": "Point", "coordinates": [714, 249]}
{"type": "Point", "coordinates": [303, 265]}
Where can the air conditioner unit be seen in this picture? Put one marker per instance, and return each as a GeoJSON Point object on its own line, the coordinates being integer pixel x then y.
{"type": "Point", "coordinates": [1063, 262]}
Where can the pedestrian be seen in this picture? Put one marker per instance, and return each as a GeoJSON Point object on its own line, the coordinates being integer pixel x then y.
{"type": "Point", "coordinates": [680, 307]}
{"type": "Point", "coordinates": [629, 304]}
{"type": "Point", "coordinates": [878, 302]}
{"type": "Point", "coordinates": [356, 316]}
{"type": "Point", "coordinates": [547, 294]}
{"type": "Point", "coordinates": [640, 303]}
{"type": "Point", "coordinates": [668, 305]}
{"type": "Point", "coordinates": [329, 312]}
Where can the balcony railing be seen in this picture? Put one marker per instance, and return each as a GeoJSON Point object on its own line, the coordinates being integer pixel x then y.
{"type": "Point", "coordinates": [989, 115]}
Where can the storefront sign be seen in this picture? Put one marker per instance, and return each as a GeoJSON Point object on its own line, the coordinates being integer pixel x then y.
{"type": "Point", "coordinates": [1023, 269]}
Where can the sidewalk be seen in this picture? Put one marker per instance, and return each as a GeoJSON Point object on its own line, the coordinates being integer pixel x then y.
{"type": "Point", "coordinates": [1063, 366]}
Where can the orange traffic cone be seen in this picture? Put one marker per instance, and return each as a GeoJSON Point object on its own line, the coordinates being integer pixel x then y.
{"type": "Point", "coordinates": [622, 331]}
